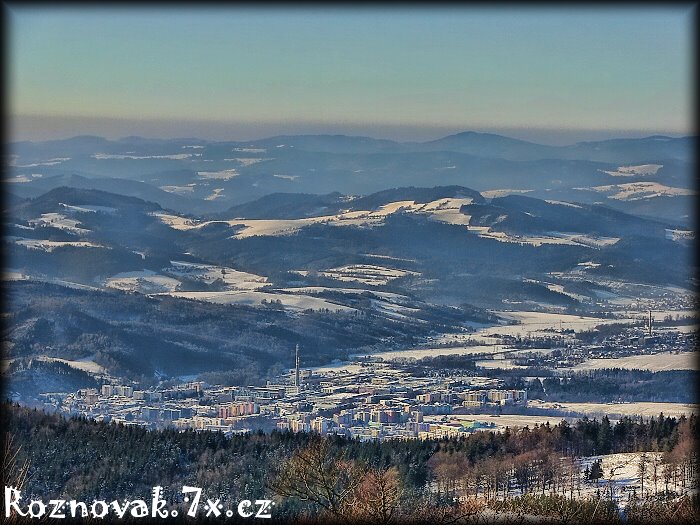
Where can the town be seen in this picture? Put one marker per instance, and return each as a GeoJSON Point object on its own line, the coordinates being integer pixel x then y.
{"type": "Point", "coordinates": [369, 398]}
{"type": "Point", "coordinates": [375, 402]}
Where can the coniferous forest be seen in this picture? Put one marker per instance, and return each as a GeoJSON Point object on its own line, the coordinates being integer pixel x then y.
{"type": "Point", "coordinates": [486, 476]}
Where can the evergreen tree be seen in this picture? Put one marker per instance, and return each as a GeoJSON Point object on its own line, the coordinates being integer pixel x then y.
{"type": "Point", "coordinates": [596, 471]}
{"type": "Point", "coordinates": [605, 435]}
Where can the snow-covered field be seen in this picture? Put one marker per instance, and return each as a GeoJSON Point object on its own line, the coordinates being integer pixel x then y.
{"type": "Point", "coordinates": [492, 194]}
{"type": "Point", "coordinates": [418, 353]}
{"type": "Point", "coordinates": [680, 235]}
{"type": "Point", "coordinates": [536, 322]}
{"type": "Point", "coordinates": [447, 210]}
{"type": "Point", "coordinates": [660, 314]}
{"type": "Point", "coordinates": [366, 274]}
{"type": "Point", "coordinates": [248, 161]}
{"type": "Point", "coordinates": [637, 408]}
{"type": "Point", "coordinates": [621, 474]}
{"type": "Point", "coordinates": [272, 227]}
{"type": "Point", "coordinates": [49, 246]}
{"type": "Point", "coordinates": [387, 257]}
{"type": "Point", "coordinates": [254, 227]}
{"type": "Point", "coordinates": [252, 298]}
{"type": "Point", "coordinates": [216, 193]}
{"type": "Point", "coordinates": [175, 221]}
{"type": "Point", "coordinates": [505, 364]}
{"type": "Point", "coordinates": [631, 171]}
{"type": "Point", "coordinates": [88, 208]}
{"type": "Point", "coordinates": [150, 282]}
{"type": "Point", "coordinates": [597, 410]}
{"type": "Point", "coordinates": [57, 220]}
{"type": "Point", "coordinates": [250, 150]}
{"type": "Point", "coordinates": [219, 175]}
{"type": "Point", "coordinates": [50, 162]}
{"type": "Point", "coordinates": [314, 290]}
{"type": "Point", "coordinates": [563, 203]}
{"type": "Point", "coordinates": [144, 281]}
{"type": "Point", "coordinates": [232, 279]}
{"type": "Point", "coordinates": [533, 323]}
{"type": "Point", "coordinates": [176, 156]}
{"type": "Point", "coordinates": [632, 191]}
{"type": "Point", "coordinates": [572, 239]}
{"type": "Point", "coordinates": [10, 274]}
{"type": "Point", "coordinates": [86, 364]}
{"type": "Point", "coordinates": [19, 179]}
{"type": "Point", "coordinates": [654, 362]}
{"type": "Point", "coordinates": [179, 190]}
{"type": "Point", "coordinates": [501, 421]}
{"type": "Point", "coordinates": [395, 311]}
{"type": "Point", "coordinates": [389, 304]}
{"type": "Point", "coordinates": [559, 288]}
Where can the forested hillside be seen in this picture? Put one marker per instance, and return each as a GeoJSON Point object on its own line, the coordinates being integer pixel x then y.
{"type": "Point", "coordinates": [520, 470]}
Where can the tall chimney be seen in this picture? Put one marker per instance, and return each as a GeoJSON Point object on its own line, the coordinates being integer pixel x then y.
{"type": "Point", "coordinates": [649, 323]}
{"type": "Point", "coordinates": [296, 369]}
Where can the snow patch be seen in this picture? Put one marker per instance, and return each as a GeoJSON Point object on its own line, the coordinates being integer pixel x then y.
{"type": "Point", "coordinates": [144, 281]}
{"type": "Point", "coordinates": [366, 274]}
{"type": "Point", "coordinates": [57, 220]}
{"type": "Point", "coordinates": [49, 246]}
{"type": "Point", "coordinates": [232, 279]}
{"type": "Point", "coordinates": [176, 156]}
{"type": "Point", "coordinates": [631, 171]}
{"type": "Point", "coordinates": [247, 161]}
{"type": "Point", "coordinates": [252, 298]}
{"type": "Point", "coordinates": [634, 191]}
{"type": "Point", "coordinates": [88, 208]}
{"type": "Point", "coordinates": [216, 193]}
{"type": "Point", "coordinates": [562, 203]}
{"type": "Point", "coordinates": [50, 162]}
{"type": "Point", "coordinates": [492, 194]}
{"type": "Point", "coordinates": [178, 190]}
{"type": "Point", "coordinates": [250, 150]}
{"type": "Point", "coordinates": [219, 175]}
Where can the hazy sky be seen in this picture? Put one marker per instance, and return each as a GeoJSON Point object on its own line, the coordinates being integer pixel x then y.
{"type": "Point", "coordinates": [242, 73]}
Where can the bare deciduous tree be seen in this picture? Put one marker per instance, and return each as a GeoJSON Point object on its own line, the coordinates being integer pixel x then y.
{"type": "Point", "coordinates": [320, 476]}
{"type": "Point", "coordinates": [377, 498]}
{"type": "Point", "coordinates": [14, 474]}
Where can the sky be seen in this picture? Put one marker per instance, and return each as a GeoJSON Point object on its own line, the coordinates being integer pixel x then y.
{"type": "Point", "coordinates": [551, 74]}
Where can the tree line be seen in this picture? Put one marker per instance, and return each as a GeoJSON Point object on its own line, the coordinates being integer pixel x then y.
{"type": "Point", "coordinates": [453, 479]}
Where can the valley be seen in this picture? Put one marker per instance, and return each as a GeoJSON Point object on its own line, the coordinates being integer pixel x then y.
{"type": "Point", "coordinates": [353, 265]}
{"type": "Point", "coordinates": [499, 288]}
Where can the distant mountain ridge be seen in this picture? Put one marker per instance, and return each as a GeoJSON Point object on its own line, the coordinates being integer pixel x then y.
{"type": "Point", "coordinates": [144, 290]}
{"type": "Point", "coordinates": [207, 177]}
{"type": "Point", "coordinates": [472, 142]}
{"type": "Point", "coordinates": [299, 205]}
